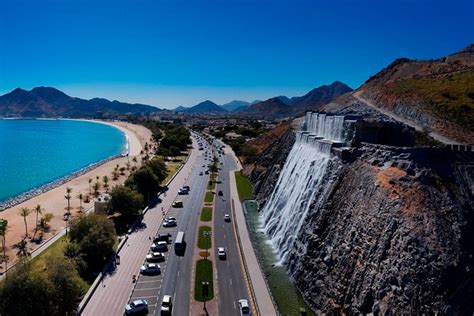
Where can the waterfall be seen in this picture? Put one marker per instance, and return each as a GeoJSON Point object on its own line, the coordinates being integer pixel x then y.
{"type": "Point", "coordinates": [301, 177]}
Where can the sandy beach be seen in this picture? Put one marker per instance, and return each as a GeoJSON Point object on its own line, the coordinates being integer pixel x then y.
{"type": "Point", "coordinates": [53, 201]}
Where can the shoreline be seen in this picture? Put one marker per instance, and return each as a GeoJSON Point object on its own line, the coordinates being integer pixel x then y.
{"type": "Point", "coordinates": [51, 197]}
{"type": "Point", "coordinates": [50, 185]}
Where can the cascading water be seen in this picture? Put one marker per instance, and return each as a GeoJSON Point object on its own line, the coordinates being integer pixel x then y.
{"type": "Point", "coordinates": [301, 177]}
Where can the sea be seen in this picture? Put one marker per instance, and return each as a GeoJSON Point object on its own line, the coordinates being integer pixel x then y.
{"type": "Point", "coordinates": [35, 153]}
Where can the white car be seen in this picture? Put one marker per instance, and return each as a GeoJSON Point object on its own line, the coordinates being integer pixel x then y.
{"type": "Point", "coordinates": [150, 268]}
{"type": "Point", "coordinates": [166, 305]}
{"type": "Point", "coordinates": [155, 256]}
{"type": "Point", "coordinates": [135, 307]}
{"type": "Point", "coordinates": [227, 217]}
{"type": "Point", "coordinates": [170, 223]}
{"type": "Point", "coordinates": [244, 307]}
{"type": "Point", "coordinates": [221, 253]}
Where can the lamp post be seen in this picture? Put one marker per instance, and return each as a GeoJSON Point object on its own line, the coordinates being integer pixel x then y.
{"type": "Point", "coordinates": [208, 234]}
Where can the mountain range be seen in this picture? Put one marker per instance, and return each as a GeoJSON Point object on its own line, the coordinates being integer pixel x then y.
{"type": "Point", "coordinates": [50, 102]}
{"type": "Point", "coordinates": [276, 106]}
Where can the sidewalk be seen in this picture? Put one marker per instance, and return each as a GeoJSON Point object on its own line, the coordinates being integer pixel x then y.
{"type": "Point", "coordinates": [259, 289]}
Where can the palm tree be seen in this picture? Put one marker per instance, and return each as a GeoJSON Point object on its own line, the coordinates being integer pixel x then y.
{"type": "Point", "coordinates": [105, 179]}
{"type": "Point", "coordinates": [24, 211]}
{"type": "Point", "coordinates": [135, 160]}
{"type": "Point", "coordinates": [96, 188]}
{"type": "Point", "coordinates": [90, 187]}
{"type": "Point", "coordinates": [44, 221]}
{"type": "Point", "coordinates": [80, 197]}
{"type": "Point", "coordinates": [68, 198]}
{"type": "Point", "coordinates": [73, 252]}
{"type": "Point", "coordinates": [38, 211]}
{"type": "Point", "coordinates": [22, 247]}
{"type": "Point", "coordinates": [3, 234]}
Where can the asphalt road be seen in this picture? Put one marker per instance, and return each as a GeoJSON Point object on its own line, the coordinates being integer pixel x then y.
{"type": "Point", "coordinates": [230, 277]}
{"type": "Point", "coordinates": [175, 278]}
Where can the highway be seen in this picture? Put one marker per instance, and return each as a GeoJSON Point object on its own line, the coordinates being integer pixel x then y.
{"type": "Point", "coordinates": [175, 279]}
{"type": "Point", "coordinates": [230, 277]}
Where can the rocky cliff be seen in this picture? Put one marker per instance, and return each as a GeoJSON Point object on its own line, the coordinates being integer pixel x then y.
{"type": "Point", "coordinates": [391, 232]}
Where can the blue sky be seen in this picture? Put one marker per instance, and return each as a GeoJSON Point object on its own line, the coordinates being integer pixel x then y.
{"type": "Point", "coordinates": [172, 52]}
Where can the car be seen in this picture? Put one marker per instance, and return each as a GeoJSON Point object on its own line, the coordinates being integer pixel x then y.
{"type": "Point", "coordinates": [186, 187]}
{"type": "Point", "coordinates": [136, 307]}
{"type": "Point", "coordinates": [220, 193]}
{"type": "Point", "coordinates": [177, 203]}
{"type": "Point", "coordinates": [204, 166]}
{"type": "Point", "coordinates": [170, 218]}
{"type": "Point", "coordinates": [200, 173]}
{"type": "Point", "coordinates": [166, 305]}
{"type": "Point", "coordinates": [227, 217]}
{"type": "Point", "coordinates": [221, 253]}
{"type": "Point", "coordinates": [155, 257]}
{"type": "Point", "coordinates": [170, 223]}
{"type": "Point", "coordinates": [150, 268]}
{"type": "Point", "coordinates": [207, 172]}
{"type": "Point", "coordinates": [159, 246]}
{"type": "Point", "coordinates": [182, 192]}
{"type": "Point", "coordinates": [162, 237]}
{"type": "Point", "coordinates": [244, 307]}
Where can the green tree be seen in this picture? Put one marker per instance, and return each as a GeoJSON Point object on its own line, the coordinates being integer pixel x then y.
{"type": "Point", "coordinates": [66, 285]}
{"type": "Point", "coordinates": [158, 167]}
{"type": "Point", "coordinates": [25, 293]}
{"type": "Point", "coordinates": [105, 179]}
{"type": "Point", "coordinates": [125, 201]}
{"type": "Point", "coordinates": [68, 198]}
{"type": "Point", "coordinates": [38, 211]}
{"type": "Point", "coordinates": [96, 188]}
{"type": "Point", "coordinates": [73, 251]}
{"type": "Point", "coordinates": [24, 212]}
{"type": "Point", "coordinates": [22, 249]}
{"type": "Point", "coordinates": [3, 235]}
{"type": "Point", "coordinates": [90, 186]}
{"type": "Point", "coordinates": [96, 236]}
{"type": "Point", "coordinates": [80, 197]}
{"type": "Point", "coordinates": [145, 182]}
{"type": "Point", "coordinates": [44, 222]}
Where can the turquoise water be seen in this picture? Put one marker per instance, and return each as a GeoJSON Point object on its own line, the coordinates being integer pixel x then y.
{"type": "Point", "coordinates": [37, 152]}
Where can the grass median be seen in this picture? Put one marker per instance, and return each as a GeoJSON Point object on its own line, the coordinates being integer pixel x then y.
{"type": "Point", "coordinates": [203, 274]}
{"type": "Point", "coordinates": [206, 214]}
{"type": "Point", "coordinates": [204, 242]}
{"type": "Point", "coordinates": [211, 185]}
{"type": "Point", "coordinates": [244, 186]}
{"type": "Point", "coordinates": [209, 197]}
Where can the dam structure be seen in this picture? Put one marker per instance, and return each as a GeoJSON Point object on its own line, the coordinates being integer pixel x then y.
{"type": "Point", "coordinates": [302, 177]}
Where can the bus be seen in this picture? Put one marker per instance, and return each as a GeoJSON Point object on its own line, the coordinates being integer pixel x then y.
{"type": "Point", "coordinates": [179, 244]}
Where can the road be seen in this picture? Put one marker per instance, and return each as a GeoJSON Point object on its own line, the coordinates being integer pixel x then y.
{"type": "Point", "coordinates": [115, 290]}
{"type": "Point", "coordinates": [230, 277]}
{"type": "Point", "coordinates": [175, 279]}
{"type": "Point", "coordinates": [437, 136]}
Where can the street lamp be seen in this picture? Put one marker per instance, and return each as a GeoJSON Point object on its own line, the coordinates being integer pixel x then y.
{"type": "Point", "coordinates": [207, 233]}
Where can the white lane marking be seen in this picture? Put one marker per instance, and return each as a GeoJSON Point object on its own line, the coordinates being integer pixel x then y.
{"type": "Point", "coordinates": [148, 288]}
{"type": "Point", "coordinates": [178, 273]}
{"type": "Point", "coordinates": [151, 281]}
{"type": "Point", "coordinates": [145, 297]}
{"type": "Point", "coordinates": [230, 281]}
{"type": "Point", "coordinates": [235, 307]}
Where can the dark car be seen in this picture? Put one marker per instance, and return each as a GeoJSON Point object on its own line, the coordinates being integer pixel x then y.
{"type": "Point", "coordinates": [220, 193]}
{"type": "Point", "coordinates": [162, 237]}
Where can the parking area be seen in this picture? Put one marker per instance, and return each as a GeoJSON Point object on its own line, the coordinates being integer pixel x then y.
{"type": "Point", "coordinates": [147, 287]}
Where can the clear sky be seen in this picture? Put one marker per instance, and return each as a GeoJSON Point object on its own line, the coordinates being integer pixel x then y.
{"type": "Point", "coordinates": [172, 52]}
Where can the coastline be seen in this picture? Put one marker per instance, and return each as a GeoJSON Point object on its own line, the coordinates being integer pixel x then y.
{"type": "Point", "coordinates": [51, 197]}
{"type": "Point", "coordinates": [43, 188]}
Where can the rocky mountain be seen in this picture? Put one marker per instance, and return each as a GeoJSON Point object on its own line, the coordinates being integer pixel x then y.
{"type": "Point", "coordinates": [204, 107]}
{"type": "Point", "coordinates": [387, 224]}
{"type": "Point", "coordinates": [436, 95]}
{"type": "Point", "coordinates": [234, 105]}
{"type": "Point", "coordinates": [298, 105]}
{"type": "Point", "coordinates": [50, 102]}
{"type": "Point", "coordinates": [272, 107]}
